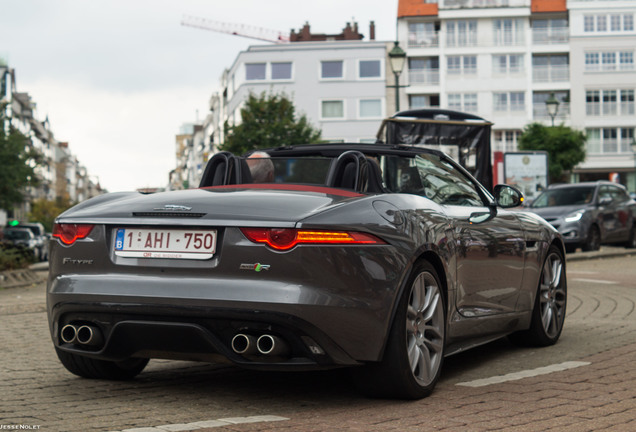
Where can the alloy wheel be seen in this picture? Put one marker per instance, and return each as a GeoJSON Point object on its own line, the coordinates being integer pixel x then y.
{"type": "Point", "coordinates": [425, 329]}
{"type": "Point", "coordinates": [552, 295]}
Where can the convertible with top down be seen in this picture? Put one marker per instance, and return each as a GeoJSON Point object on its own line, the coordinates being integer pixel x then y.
{"type": "Point", "coordinates": [380, 258]}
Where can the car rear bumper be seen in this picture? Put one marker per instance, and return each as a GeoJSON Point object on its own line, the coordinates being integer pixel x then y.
{"type": "Point", "coordinates": [196, 319]}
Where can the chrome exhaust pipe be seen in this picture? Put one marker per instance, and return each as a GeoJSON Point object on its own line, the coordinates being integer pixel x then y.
{"type": "Point", "coordinates": [244, 344]}
{"type": "Point", "coordinates": [89, 335]}
{"type": "Point", "coordinates": [68, 334]}
{"type": "Point", "coordinates": [272, 345]}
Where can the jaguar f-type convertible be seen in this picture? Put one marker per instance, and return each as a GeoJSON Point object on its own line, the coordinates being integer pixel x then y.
{"type": "Point", "coordinates": [380, 258]}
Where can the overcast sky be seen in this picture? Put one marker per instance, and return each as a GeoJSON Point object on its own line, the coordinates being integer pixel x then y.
{"type": "Point", "coordinates": [117, 78]}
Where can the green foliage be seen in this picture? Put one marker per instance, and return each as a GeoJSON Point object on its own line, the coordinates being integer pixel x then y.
{"type": "Point", "coordinates": [565, 147]}
{"type": "Point", "coordinates": [16, 156]}
{"type": "Point", "coordinates": [268, 121]}
{"type": "Point", "coordinates": [15, 257]}
{"type": "Point", "coordinates": [45, 211]}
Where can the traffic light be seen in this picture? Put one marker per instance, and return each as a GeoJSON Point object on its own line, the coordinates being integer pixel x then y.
{"type": "Point", "coordinates": [14, 223]}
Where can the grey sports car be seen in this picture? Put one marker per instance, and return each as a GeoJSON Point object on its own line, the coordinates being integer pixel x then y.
{"type": "Point", "coordinates": [377, 257]}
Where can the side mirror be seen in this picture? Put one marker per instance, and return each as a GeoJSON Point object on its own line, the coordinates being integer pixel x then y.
{"type": "Point", "coordinates": [605, 201]}
{"type": "Point", "coordinates": [507, 196]}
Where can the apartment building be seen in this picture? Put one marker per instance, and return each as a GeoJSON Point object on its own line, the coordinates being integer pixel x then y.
{"type": "Point", "coordinates": [60, 173]}
{"type": "Point", "coordinates": [502, 59]}
{"type": "Point", "coordinates": [337, 81]}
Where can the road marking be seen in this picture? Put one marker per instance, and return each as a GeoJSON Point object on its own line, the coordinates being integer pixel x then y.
{"type": "Point", "coordinates": [523, 374]}
{"type": "Point", "coordinates": [183, 427]}
{"type": "Point", "coordinates": [595, 281]}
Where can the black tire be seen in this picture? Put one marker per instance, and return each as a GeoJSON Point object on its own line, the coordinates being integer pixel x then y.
{"type": "Point", "coordinates": [415, 347]}
{"type": "Point", "coordinates": [570, 248]}
{"type": "Point", "coordinates": [87, 367]}
{"type": "Point", "coordinates": [548, 314]}
{"type": "Point", "coordinates": [593, 241]}
{"type": "Point", "coordinates": [631, 240]}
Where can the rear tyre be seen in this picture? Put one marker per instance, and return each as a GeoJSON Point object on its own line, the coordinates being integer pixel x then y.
{"type": "Point", "coordinates": [593, 242]}
{"type": "Point", "coordinates": [87, 367]}
{"type": "Point", "coordinates": [548, 314]}
{"type": "Point", "coordinates": [415, 348]}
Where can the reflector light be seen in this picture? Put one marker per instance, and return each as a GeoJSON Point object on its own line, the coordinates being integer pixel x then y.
{"type": "Point", "coordinates": [69, 233]}
{"type": "Point", "coordinates": [287, 238]}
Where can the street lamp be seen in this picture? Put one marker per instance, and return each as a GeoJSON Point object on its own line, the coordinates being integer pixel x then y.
{"type": "Point", "coordinates": [397, 58]}
{"type": "Point", "coordinates": [552, 105]}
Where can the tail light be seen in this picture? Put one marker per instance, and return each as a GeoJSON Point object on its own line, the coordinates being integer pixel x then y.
{"type": "Point", "coordinates": [286, 238]}
{"type": "Point", "coordinates": [69, 233]}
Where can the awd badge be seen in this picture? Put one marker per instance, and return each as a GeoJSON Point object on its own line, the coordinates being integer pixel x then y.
{"type": "Point", "coordinates": [258, 267]}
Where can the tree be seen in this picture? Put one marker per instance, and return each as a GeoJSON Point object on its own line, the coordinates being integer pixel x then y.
{"type": "Point", "coordinates": [268, 121]}
{"type": "Point", "coordinates": [46, 211]}
{"type": "Point", "coordinates": [565, 147]}
{"type": "Point", "coordinates": [16, 159]}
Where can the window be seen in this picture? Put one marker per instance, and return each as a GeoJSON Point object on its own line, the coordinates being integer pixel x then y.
{"type": "Point", "coordinates": [627, 102]}
{"type": "Point", "coordinates": [461, 33]}
{"type": "Point", "coordinates": [463, 102]}
{"type": "Point", "coordinates": [626, 60]}
{"type": "Point", "coordinates": [371, 108]}
{"type": "Point", "coordinates": [370, 69]}
{"type": "Point", "coordinates": [428, 175]}
{"type": "Point", "coordinates": [606, 102]}
{"type": "Point", "coordinates": [332, 109]}
{"type": "Point", "coordinates": [609, 140]}
{"type": "Point", "coordinates": [609, 61]}
{"type": "Point", "coordinates": [423, 35]}
{"type": "Point", "coordinates": [507, 64]}
{"type": "Point", "coordinates": [465, 65]}
{"type": "Point", "coordinates": [331, 69]}
{"type": "Point", "coordinates": [255, 71]}
{"type": "Point", "coordinates": [511, 101]}
{"type": "Point", "coordinates": [281, 71]}
{"type": "Point", "coordinates": [506, 140]}
{"type": "Point", "coordinates": [592, 61]}
{"type": "Point", "coordinates": [508, 32]}
{"type": "Point", "coordinates": [424, 70]}
{"type": "Point", "coordinates": [608, 22]}
{"type": "Point", "coordinates": [423, 101]}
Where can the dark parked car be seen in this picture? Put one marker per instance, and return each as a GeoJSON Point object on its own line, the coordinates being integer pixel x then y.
{"type": "Point", "coordinates": [589, 214]}
{"type": "Point", "coordinates": [21, 237]}
{"type": "Point", "coordinates": [380, 258]}
{"type": "Point", "coordinates": [41, 239]}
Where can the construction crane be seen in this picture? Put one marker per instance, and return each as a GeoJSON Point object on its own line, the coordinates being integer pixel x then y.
{"type": "Point", "coordinates": [243, 30]}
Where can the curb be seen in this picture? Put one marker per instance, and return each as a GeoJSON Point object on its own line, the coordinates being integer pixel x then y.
{"type": "Point", "coordinates": [604, 252]}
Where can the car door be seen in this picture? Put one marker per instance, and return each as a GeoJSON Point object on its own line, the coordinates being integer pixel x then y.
{"type": "Point", "coordinates": [490, 254]}
{"type": "Point", "coordinates": [612, 213]}
{"type": "Point", "coordinates": [621, 213]}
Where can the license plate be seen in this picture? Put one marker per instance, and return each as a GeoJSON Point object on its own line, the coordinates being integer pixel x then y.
{"type": "Point", "coordinates": [165, 243]}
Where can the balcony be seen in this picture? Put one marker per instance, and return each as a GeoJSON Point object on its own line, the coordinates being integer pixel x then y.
{"type": "Point", "coordinates": [423, 40]}
{"type": "Point", "coordinates": [469, 4]}
{"type": "Point", "coordinates": [600, 109]}
{"type": "Point", "coordinates": [540, 112]}
{"type": "Point", "coordinates": [550, 36]}
{"type": "Point", "coordinates": [550, 73]}
{"type": "Point", "coordinates": [424, 76]}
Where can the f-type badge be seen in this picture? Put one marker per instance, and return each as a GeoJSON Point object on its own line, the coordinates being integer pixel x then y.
{"type": "Point", "coordinates": [258, 267]}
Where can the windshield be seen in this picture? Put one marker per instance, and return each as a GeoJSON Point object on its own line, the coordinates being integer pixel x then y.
{"type": "Point", "coordinates": [16, 235]}
{"type": "Point", "coordinates": [564, 197]}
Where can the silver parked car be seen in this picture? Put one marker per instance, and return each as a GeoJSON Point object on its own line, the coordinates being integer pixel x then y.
{"type": "Point", "coordinates": [381, 258]}
{"type": "Point", "coordinates": [589, 214]}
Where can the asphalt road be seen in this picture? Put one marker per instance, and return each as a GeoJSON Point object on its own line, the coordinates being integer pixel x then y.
{"type": "Point", "coordinates": [37, 393]}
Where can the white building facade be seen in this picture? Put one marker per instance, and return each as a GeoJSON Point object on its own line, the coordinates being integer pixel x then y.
{"type": "Point", "coordinates": [339, 85]}
{"type": "Point", "coordinates": [502, 59]}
